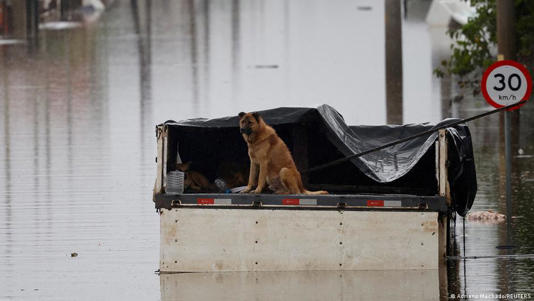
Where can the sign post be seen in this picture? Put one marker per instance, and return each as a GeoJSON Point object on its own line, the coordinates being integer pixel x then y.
{"type": "Point", "coordinates": [504, 83]}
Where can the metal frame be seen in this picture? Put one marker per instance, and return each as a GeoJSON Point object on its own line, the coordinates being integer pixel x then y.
{"type": "Point", "coordinates": [161, 160]}
{"type": "Point", "coordinates": [444, 217]}
{"type": "Point", "coordinates": [349, 201]}
{"type": "Point", "coordinates": [439, 203]}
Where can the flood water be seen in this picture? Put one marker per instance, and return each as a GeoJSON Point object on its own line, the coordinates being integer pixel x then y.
{"type": "Point", "coordinates": [77, 144]}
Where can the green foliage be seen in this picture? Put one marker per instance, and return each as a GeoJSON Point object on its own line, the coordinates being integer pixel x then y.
{"type": "Point", "coordinates": [475, 42]}
{"type": "Point", "coordinates": [525, 32]}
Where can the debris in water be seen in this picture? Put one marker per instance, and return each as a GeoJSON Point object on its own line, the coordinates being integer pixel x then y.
{"type": "Point", "coordinates": [488, 216]}
{"type": "Point", "coordinates": [266, 66]}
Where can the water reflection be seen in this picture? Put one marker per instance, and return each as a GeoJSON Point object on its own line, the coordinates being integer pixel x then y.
{"type": "Point", "coordinates": [256, 55]}
{"type": "Point", "coordinates": [144, 50]}
{"type": "Point", "coordinates": [7, 206]}
{"type": "Point", "coordinates": [60, 191]}
{"type": "Point", "coordinates": [305, 285]}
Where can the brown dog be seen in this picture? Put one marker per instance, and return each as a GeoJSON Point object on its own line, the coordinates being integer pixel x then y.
{"type": "Point", "coordinates": [233, 174]}
{"type": "Point", "coordinates": [270, 160]}
{"type": "Point", "coordinates": [194, 180]}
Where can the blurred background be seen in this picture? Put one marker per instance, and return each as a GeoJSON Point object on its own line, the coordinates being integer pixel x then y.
{"type": "Point", "coordinates": [84, 82]}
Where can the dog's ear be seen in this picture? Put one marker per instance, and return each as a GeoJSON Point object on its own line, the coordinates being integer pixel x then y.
{"type": "Point", "coordinates": [241, 114]}
{"type": "Point", "coordinates": [183, 166]}
{"type": "Point", "coordinates": [256, 116]}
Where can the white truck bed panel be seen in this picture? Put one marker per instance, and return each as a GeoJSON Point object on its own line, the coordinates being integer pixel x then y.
{"type": "Point", "coordinates": [213, 240]}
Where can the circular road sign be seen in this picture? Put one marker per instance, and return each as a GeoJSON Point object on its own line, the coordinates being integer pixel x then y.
{"type": "Point", "coordinates": [505, 83]}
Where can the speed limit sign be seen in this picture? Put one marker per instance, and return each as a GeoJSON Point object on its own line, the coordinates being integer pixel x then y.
{"type": "Point", "coordinates": [505, 83]}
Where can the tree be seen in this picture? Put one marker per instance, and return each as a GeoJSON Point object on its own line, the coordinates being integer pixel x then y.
{"type": "Point", "coordinates": [474, 47]}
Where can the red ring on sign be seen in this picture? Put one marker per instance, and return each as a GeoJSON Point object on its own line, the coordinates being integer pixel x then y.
{"type": "Point", "coordinates": [503, 63]}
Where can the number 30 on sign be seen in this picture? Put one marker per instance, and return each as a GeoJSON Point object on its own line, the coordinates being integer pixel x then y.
{"type": "Point", "coordinates": [505, 83]}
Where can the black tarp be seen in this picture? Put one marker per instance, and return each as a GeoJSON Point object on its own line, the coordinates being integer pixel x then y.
{"type": "Point", "coordinates": [409, 166]}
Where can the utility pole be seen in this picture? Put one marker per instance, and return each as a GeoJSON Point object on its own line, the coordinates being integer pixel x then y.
{"type": "Point", "coordinates": [505, 29]}
{"type": "Point", "coordinates": [506, 47]}
{"type": "Point", "coordinates": [393, 22]}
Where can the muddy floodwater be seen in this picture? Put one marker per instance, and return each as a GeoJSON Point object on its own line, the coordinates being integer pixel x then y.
{"type": "Point", "coordinates": [77, 144]}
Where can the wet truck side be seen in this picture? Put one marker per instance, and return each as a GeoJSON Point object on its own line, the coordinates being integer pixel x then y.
{"type": "Point", "coordinates": [355, 227]}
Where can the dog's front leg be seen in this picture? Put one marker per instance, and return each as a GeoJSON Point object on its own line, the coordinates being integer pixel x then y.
{"type": "Point", "coordinates": [261, 178]}
{"type": "Point", "coordinates": [252, 177]}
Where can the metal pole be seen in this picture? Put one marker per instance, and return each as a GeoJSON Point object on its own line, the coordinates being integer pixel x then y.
{"type": "Point", "coordinates": [508, 162]}
{"type": "Point", "coordinates": [506, 45]}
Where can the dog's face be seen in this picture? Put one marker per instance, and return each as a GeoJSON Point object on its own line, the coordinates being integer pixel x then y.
{"type": "Point", "coordinates": [249, 122]}
{"type": "Point", "coordinates": [183, 167]}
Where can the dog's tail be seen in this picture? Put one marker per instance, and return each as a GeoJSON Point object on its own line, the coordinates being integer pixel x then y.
{"type": "Point", "coordinates": [304, 191]}
{"type": "Point", "coordinates": [315, 192]}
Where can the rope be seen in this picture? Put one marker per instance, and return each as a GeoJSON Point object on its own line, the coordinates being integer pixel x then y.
{"type": "Point", "coordinates": [510, 256]}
